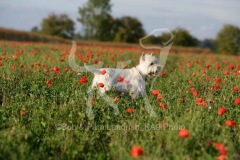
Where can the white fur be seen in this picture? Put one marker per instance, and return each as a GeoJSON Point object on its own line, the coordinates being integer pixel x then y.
{"type": "Point", "coordinates": [148, 66]}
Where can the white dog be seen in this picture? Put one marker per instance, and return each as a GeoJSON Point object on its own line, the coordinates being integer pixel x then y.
{"type": "Point", "coordinates": [122, 80]}
{"type": "Point", "coordinates": [130, 80]}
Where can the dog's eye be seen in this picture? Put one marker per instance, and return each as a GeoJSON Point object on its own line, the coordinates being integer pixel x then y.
{"type": "Point", "coordinates": [151, 64]}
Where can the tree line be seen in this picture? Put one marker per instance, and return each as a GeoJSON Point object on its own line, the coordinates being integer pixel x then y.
{"type": "Point", "coordinates": [99, 24]}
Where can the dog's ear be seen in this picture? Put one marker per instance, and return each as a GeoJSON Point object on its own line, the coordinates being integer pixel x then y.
{"type": "Point", "coordinates": [143, 56]}
{"type": "Point", "coordinates": [151, 54]}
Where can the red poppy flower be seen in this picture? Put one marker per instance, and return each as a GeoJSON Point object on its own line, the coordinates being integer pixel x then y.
{"type": "Point", "coordinates": [116, 99]}
{"type": "Point", "coordinates": [221, 148]}
{"type": "Point", "coordinates": [216, 86]}
{"type": "Point", "coordinates": [192, 89]}
{"type": "Point", "coordinates": [199, 100]}
{"type": "Point", "coordinates": [221, 157]}
{"type": "Point", "coordinates": [49, 83]}
{"type": "Point", "coordinates": [155, 92]}
{"type": "Point", "coordinates": [226, 72]}
{"type": "Point", "coordinates": [222, 151]}
{"type": "Point", "coordinates": [130, 110]}
{"type": "Point", "coordinates": [218, 80]}
{"type": "Point", "coordinates": [237, 101]}
{"type": "Point", "coordinates": [195, 94]}
{"type": "Point", "coordinates": [182, 70]}
{"type": "Point", "coordinates": [0, 64]}
{"type": "Point", "coordinates": [235, 88]}
{"type": "Point", "coordinates": [159, 98]}
{"type": "Point", "coordinates": [230, 123]}
{"type": "Point", "coordinates": [222, 110]}
{"type": "Point", "coordinates": [203, 103]}
{"type": "Point", "coordinates": [100, 85]}
{"type": "Point", "coordinates": [120, 79]}
{"type": "Point", "coordinates": [56, 70]}
{"type": "Point", "coordinates": [13, 68]}
{"type": "Point", "coordinates": [162, 105]}
{"type": "Point", "coordinates": [207, 65]}
{"type": "Point", "coordinates": [22, 113]}
{"type": "Point", "coordinates": [218, 67]}
{"type": "Point", "coordinates": [163, 73]}
{"type": "Point", "coordinates": [136, 151]}
{"type": "Point", "coordinates": [183, 133]}
{"type": "Point", "coordinates": [203, 72]}
{"type": "Point", "coordinates": [36, 64]}
{"type": "Point", "coordinates": [21, 66]}
{"type": "Point", "coordinates": [231, 67]}
{"type": "Point", "coordinates": [103, 72]}
{"type": "Point", "coordinates": [83, 80]}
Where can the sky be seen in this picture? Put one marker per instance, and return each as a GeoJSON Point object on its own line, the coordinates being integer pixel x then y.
{"type": "Point", "coordinates": [203, 18]}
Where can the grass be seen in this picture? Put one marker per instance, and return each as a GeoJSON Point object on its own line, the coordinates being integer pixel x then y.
{"type": "Point", "coordinates": [38, 121]}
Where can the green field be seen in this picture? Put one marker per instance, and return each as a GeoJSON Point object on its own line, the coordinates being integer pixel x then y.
{"type": "Point", "coordinates": [43, 109]}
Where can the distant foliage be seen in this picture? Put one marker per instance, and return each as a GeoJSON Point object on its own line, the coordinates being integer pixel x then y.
{"type": "Point", "coordinates": [58, 25]}
{"type": "Point", "coordinates": [106, 30]}
{"type": "Point", "coordinates": [128, 29]}
{"type": "Point", "coordinates": [207, 43]}
{"type": "Point", "coordinates": [182, 37]}
{"type": "Point", "coordinates": [35, 29]}
{"type": "Point", "coordinates": [228, 40]}
{"type": "Point", "coordinates": [95, 18]}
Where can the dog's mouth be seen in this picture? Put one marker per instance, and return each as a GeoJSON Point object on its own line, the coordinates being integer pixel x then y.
{"type": "Point", "coordinates": [155, 71]}
{"type": "Point", "coordinates": [152, 74]}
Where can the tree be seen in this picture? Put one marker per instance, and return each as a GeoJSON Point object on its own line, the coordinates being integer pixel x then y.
{"type": "Point", "coordinates": [106, 29]}
{"type": "Point", "coordinates": [182, 37]}
{"type": "Point", "coordinates": [128, 29]}
{"type": "Point", "coordinates": [228, 40]}
{"type": "Point", "coordinates": [35, 29]}
{"type": "Point", "coordinates": [58, 25]}
{"type": "Point", "coordinates": [93, 15]}
{"type": "Point", "coordinates": [207, 43]}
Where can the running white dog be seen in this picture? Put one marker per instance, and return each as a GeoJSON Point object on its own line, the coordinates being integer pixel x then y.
{"type": "Point", "coordinates": [130, 80]}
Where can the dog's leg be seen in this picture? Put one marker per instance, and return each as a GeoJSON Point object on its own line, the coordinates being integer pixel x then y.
{"type": "Point", "coordinates": [110, 102]}
{"type": "Point", "coordinates": [148, 105]}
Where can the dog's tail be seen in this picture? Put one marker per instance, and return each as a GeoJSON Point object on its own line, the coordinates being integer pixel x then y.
{"type": "Point", "coordinates": [91, 69]}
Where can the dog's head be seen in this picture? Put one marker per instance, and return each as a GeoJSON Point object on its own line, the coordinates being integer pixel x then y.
{"type": "Point", "coordinates": [149, 65]}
